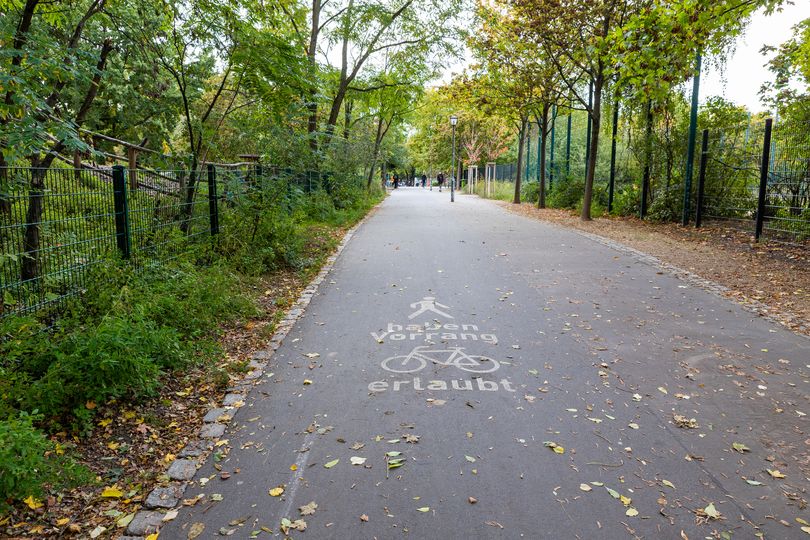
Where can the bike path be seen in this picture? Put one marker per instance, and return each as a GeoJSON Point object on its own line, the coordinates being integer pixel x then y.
{"type": "Point", "coordinates": [596, 352]}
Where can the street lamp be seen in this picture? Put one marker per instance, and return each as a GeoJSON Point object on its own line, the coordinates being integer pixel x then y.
{"type": "Point", "coordinates": [453, 122]}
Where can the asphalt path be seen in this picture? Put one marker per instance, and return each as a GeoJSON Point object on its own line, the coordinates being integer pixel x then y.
{"type": "Point", "coordinates": [534, 383]}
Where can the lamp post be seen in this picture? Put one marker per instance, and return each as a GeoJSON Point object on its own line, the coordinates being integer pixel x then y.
{"type": "Point", "coordinates": [453, 122]}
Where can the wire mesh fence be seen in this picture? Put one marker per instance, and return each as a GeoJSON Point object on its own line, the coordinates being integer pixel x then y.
{"type": "Point", "coordinates": [57, 223]}
{"type": "Point", "coordinates": [758, 177]}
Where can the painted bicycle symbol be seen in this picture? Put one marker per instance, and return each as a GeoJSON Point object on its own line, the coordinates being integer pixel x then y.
{"type": "Point", "coordinates": [420, 356]}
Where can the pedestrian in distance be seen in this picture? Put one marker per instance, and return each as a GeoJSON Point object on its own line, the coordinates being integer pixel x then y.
{"type": "Point", "coordinates": [424, 180]}
{"type": "Point", "coordinates": [396, 181]}
{"type": "Point", "coordinates": [440, 181]}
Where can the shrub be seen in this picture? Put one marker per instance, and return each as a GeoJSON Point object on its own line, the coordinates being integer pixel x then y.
{"type": "Point", "coordinates": [566, 193]}
{"type": "Point", "coordinates": [121, 357]}
{"type": "Point", "coordinates": [668, 206]}
{"type": "Point", "coordinates": [29, 462]}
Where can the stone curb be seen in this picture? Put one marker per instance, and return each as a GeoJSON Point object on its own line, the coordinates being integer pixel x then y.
{"type": "Point", "coordinates": [752, 306]}
{"type": "Point", "coordinates": [192, 457]}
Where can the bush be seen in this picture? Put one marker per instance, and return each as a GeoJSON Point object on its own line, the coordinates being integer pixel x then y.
{"type": "Point", "coordinates": [23, 464]}
{"type": "Point", "coordinates": [121, 357]}
{"type": "Point", "coordinates": [627, 201]}
{"type": "Point", "coordinates": [566, 194]}
{"type": "Point", "coordinates": [29, 462]}
{"type": "Point", "coordinates": [668, 206]}
{"type": "Point", "coordinates": [530, 192]}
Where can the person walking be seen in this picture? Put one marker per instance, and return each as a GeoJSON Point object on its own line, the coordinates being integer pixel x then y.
{"type": "Point", "coordinates": [396, 180]}
{"type": "Point", "coordinates": [440, 181]}
{"type": "Point", "coordinates": [424, 180]}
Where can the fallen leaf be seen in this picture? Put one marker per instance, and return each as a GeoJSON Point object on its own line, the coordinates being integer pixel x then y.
{"type": "Point", "coordinates": [195, 530]}
{"type": "Point", "coordinates": [424, 509]}
{"type": "Point", "coordinates": [775, 473]}
{"type": "Point", "coordinates": [631, 512]}
{"type": "Point", "coordinates": [411, 438]}
{"type": "Point", "coordinates": [307, 381]}
{"type": "Point", "coordinates": [95, 533]}
{"type": "Point", "coordinates": [170, 515]}
{"type": "Point", "coordinates": [357, 460]}
{"type": "Point", "coordinates": [632, 425]}
{"type": "Point", "coordinates": [662, 390]}
{"type": "Point", "coordinates": [277, 491]}
{"type": "Point", "coordinates": [393, 453]}
{"type": "Point", "coordinates": [740, 447]}
{"type": "Point", "coordinates": [112, 493]}
{"type": "Point", "coordinates": [395, 463]}
{"type": "Point", "coordinates": [357, 446]}
{"type": "Point", "coordinates": [62, 522]}
{"type": "Point", "coordinates": [711, 511]}
{"type": "Point", "coordinates": [625, 500]}
{"type": "Point", "coordinates": [470, 459]}
{"type": "Point", "coordinates": [636, 397]}
{"type": "Point", "coordinates": [668, 484]}
{"type": "Point", "coordinates": [364, 518]}
{"type": "Point", "coordinates": [684, 422]}
{"type": "Point", "coordinates": [308, 509]}
{"type": "Point", "coordinates": [331, 464]}
{"type": "Point", "coordinates": [312, 355]}
{"type": "Point", "coordinates": [32, 503]}
{"type": "Point", "coordinates": [554, 446]}
{"type": "Point", "coordinates": [753, 482]}
{"type": "Point", "coordinates": [124, 521]}
{"type": "Point", "coordinates": [585, 487]}
{"type": "Point", "coordinates": [472, 500]}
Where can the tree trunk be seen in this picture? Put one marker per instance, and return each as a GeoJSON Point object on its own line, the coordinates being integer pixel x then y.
{"type": "Point", "coordinates": [523, 122]}
{"type": "Point", "coordinates": [596, 119]}
{"type": "Point", "coordinates": [347, 118]}
{"type": "Point", "coordinates": [541, 200]}
{"type": "Point", "coordinates": [312, 98]}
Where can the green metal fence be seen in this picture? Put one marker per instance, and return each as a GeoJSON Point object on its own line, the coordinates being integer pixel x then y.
{"type": "Point", "coordinates": [57, 223]}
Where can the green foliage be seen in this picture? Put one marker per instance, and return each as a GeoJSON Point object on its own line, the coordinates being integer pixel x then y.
{"type": "Point", "coordinates": [29, 463]}
{"type": "Point", "coordinates": [667, 206]}
{"type": "Point", "coordinates": [566, 194]}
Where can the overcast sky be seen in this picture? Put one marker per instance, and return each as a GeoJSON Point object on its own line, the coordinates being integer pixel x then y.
{"type": "Point", "coordinates": [745, 71]}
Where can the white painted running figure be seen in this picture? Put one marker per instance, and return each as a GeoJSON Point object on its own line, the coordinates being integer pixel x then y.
{"type": "Point", "coordinates": [428, 303]}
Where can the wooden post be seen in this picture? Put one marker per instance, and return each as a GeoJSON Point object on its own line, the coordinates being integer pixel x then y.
{"type": "Point", "coordinates": [77, 166]}
{"type": "Point", "coordinates": [132, 156]}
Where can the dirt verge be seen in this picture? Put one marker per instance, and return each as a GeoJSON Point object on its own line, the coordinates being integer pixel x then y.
{"type": "Point", "coordinates": [771, 275]}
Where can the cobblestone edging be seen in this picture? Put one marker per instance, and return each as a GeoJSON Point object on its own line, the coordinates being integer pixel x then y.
{"type": "Point", "coordinates": [752, 306]}
{"type": "Point", "coordinates": [166, 497]}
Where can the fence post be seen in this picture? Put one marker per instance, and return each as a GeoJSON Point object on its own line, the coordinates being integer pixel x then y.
{"type": "Point", "coordinates": [704, 157]}
{"type": "Point", "coordinates": [763, 178]}
{"type": "Point", "coordinates": [213, 201]}
{"type": "Point", "coordinates": [614, 131]}
{"type": "Point", "coordinates": [122, 237]}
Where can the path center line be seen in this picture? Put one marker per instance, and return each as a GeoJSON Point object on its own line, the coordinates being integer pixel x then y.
{"type": "Point", "coordinates": [295, 477]}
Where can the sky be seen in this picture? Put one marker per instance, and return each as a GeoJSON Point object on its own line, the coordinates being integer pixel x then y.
{"type": "Point", "coordinates": [745, 70]}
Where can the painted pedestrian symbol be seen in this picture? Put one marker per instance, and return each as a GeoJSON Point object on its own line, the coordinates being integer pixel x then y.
{"type": "Point", "coordinates": [419, 358]}
{"type": "Point", "coordinates": [428, 303]}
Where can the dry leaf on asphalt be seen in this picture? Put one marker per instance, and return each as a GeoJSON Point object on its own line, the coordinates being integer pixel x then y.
{"type": "Point", "coordinates": [308, 509]}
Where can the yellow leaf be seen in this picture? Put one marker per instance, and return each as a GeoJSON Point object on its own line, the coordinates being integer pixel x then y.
{"type": "Point", "coordinates": [168, 458]}
{"type": "Point", "coordinates": [277, 491]}
{"type": "Point", "coordinates": [32, 503]}
{"type": "Point", "coordinates": [222, 442]}
{"type": "Point", "coordinates": [775, 473]}
{"type": "Point", "coordinates": [293, 467]}
{"type": "Point", "coordinates": [153, 536]}
{"type": "Point", "coordinates": [113, 445]}
{"type": "Point", "coordinates": [62, 522]}
{"type": "Point", "coordinates": [129, 415]}
{"type": "Point", "coordinates": [625, 500]}
{"type": "Point", "coordinates": [105, 422]}
{"type": "Point", "coordinates": [632, 512]}
{"type": "Point", "coordinates": [668, 483]}
{"type": "Point", "coordinates": [112, 493]}
{"type": "Point", "coordinates": [424, 509]}
{"type": "Point", "coordinates": [559, 449]}
{"type": "Point", "coordinates": [307, 381]}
